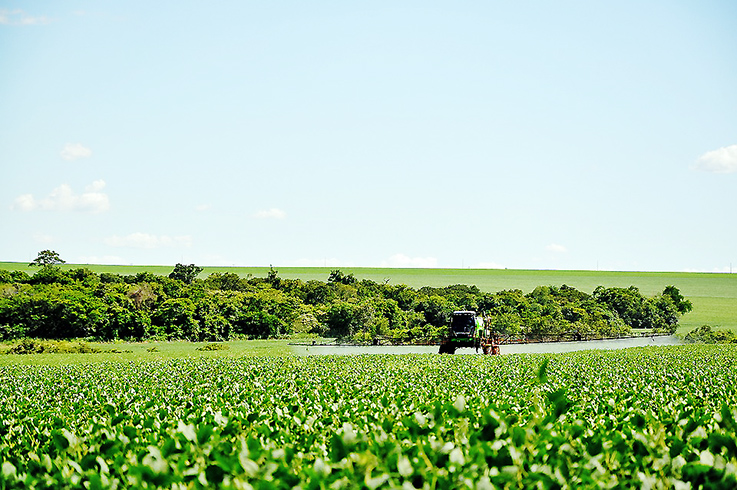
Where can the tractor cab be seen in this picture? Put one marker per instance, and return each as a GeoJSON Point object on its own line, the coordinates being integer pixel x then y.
{"type": "Point", "coordinates": [463, 324]}
{"type": "Point", "coordinates": [468, 330]}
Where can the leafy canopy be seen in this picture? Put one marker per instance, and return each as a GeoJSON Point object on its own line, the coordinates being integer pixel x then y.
{"type": "Point", "coordinates": [47, 258]}
{"type": "Point", "coordinates": [185, 273]}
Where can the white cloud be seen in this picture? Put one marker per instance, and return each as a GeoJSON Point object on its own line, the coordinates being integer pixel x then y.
{"type": "Point", "coordinates": [18, 17]}
{"type": "Point", "coordinates": [401, 261]}
{"type": "Point", "coordinates": [554, 247]}
{"type": "Point", "coordinates": [148, 241]}
{"type": "Point", "coordinates": [63, 198]}
{"type": "Point", "coordinates": [272, 213]}
{"type": "Point", "coordinates": [95, 186]}
{"type": "Point", "coordinates": [727, 269]}
{"type": "Point", "coordinates": [75, 151]}
{"type": "Point", "coordinates": [721, 161]}
{"type": "Point", "coordinates": [203, 207]}
{"type": "Point", "coordinates": [24, 202]}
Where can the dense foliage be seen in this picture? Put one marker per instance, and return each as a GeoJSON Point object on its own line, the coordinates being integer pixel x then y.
{"type": "Point", "coordinates": [58, 304]}
{"type": "Point", "coordinates": [644, 418]}
{"type": "Point", "coordinates": [706, 335]}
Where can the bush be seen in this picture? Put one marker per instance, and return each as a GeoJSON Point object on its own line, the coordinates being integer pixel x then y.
{"type": "Point", "coordinates": [706, 335]}
{"type": "Point", "coordinates": [29, 346]}
{"type": "Point", "coordinates": [211, 347]}
{"type": "Point", "coordinates": [53, 311]}
{"type": "Point", "coordinates": [110, 278]}
{"type": "Point", "coordinates": [259, 325]}
{"type": "Point", "coordinates": [14, 276]}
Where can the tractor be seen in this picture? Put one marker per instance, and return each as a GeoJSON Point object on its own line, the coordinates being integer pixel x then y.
{"type": "Point", "coordinates": [468, 330]}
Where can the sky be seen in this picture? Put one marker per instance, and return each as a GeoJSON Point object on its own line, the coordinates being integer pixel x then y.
{"type": "Point", "coordinates": [478, 134]}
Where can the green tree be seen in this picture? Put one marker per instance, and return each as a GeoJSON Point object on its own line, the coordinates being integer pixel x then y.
{"type": "Point", "coordinates": [337, 276]}
{"type": "Point", "coordinates": [13, 276]}
{"type": "Point", "coordinates": [176, 319]}
{"type": "Point", "coordinates": [342, 319]}
{"type": "Point", "coordinates": [47, 258]}
{"type": "Point", "coordinates": [272, 277]}
{"type": "Point", "coordinates": [215, 314]}
{"type": "Point", "coordinates": [682, 304]}
{"type": "Point", "coordinates": [185, 273]}
{"type": "Point", "coordinates": [628, 303]}
{"type": "Point", "coordinates": [259, 325]}
{"type": "Point", "coordinates": [51, 275]}
{"type": "Point", "coordinates": [110, 278]}
{"type": "Point", "coordinates": [227, 281]}
{"type": "Point", "coordinates": [706, 335]}
{"type": "Point", "coordinates": [437, 309]}
{"type": "Point", "coordinates": [54, 311]}
{"type": "Point", "coordinates": [125, 321]}
{"type": "Point", "coordinates": [663, 313]}
{"type": "Point", "coordinates": [316, 293]}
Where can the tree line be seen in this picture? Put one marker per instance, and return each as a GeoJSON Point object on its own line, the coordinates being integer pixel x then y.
{"type": "Point", "coordinates": [78, 303]}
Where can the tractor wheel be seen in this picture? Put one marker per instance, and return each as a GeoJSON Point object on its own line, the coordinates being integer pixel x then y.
{"type": "Point", "coordinates": [447, 348]}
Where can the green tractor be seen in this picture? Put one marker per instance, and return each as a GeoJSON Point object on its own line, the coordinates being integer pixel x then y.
{"type": "Point", "coordinates": [468, 330]}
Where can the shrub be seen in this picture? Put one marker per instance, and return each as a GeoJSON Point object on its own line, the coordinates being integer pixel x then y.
{"type": "Point", "coordinates": [706, 335]}
{"type": "Point", "coordinates": [30, 346]}
{"type": "Point", "coordinates": [211, 346]}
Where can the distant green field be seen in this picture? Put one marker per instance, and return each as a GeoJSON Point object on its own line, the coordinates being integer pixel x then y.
{"type": "Point", "coordinates": [148, 351]}
{"type": "Point", "coordinates": [714, 296]}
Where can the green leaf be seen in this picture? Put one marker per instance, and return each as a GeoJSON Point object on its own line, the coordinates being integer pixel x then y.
{"type": "Point", "coordinates": [542, 372]}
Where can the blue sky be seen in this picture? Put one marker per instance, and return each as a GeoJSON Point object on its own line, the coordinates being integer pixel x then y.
{"type": "Point", "coordinates": [542, 135]}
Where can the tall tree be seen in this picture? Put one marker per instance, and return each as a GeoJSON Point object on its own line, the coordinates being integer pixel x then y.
{"type": "Point", "coordinates": [47, 258]}
{"type": "Point", "coordinates": [185, 273]}
{"type": "Point", "coordinates": [682, 304]}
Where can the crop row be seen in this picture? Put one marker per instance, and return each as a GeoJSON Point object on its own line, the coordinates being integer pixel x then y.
{"type": "Point", "coordinates": [650, 417]}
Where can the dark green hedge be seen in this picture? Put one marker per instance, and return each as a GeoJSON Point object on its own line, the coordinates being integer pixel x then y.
{"type": "Point", "coordinates": [78, 303]}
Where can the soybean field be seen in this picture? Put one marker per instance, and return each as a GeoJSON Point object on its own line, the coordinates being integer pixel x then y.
{"type": "Point", "coordinates": [656, 417]}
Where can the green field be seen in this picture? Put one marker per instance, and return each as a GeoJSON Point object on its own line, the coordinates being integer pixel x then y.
{"type": "Point", "coordinates": [714, 296]}
{"type": "Point", "coordinates": [124, 352]}
{"type": "Point", "coordinates": [167, 415]}
{"type": "Point", "coordinates": [654, 417]}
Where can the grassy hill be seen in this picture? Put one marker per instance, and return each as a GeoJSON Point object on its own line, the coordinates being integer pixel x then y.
{"type": "Point", "coordinates": [714, 296]}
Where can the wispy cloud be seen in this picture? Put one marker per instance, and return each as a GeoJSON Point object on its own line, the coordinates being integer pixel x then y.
{"type": "Point", "coordinates": [402, 261]}
{"type": "Point", "coordinates": [554, 247]}
{"type": "Point", "coordinates": [203, 207]}
{"type": "Point", "coordinates": [18, 17]}
{"type": "Point", "coordinates": [75, 151]}
{"type": "Point", "coordinates": [721, 161]}
{"type": "Point", "coordinates": [727, 269]}
{"type": "Point", "coordinates": [148, 241]}
{"type": "Point", "coordinates": [272, 213]}
{"type": "Point", "coordinates": [63, 198]}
